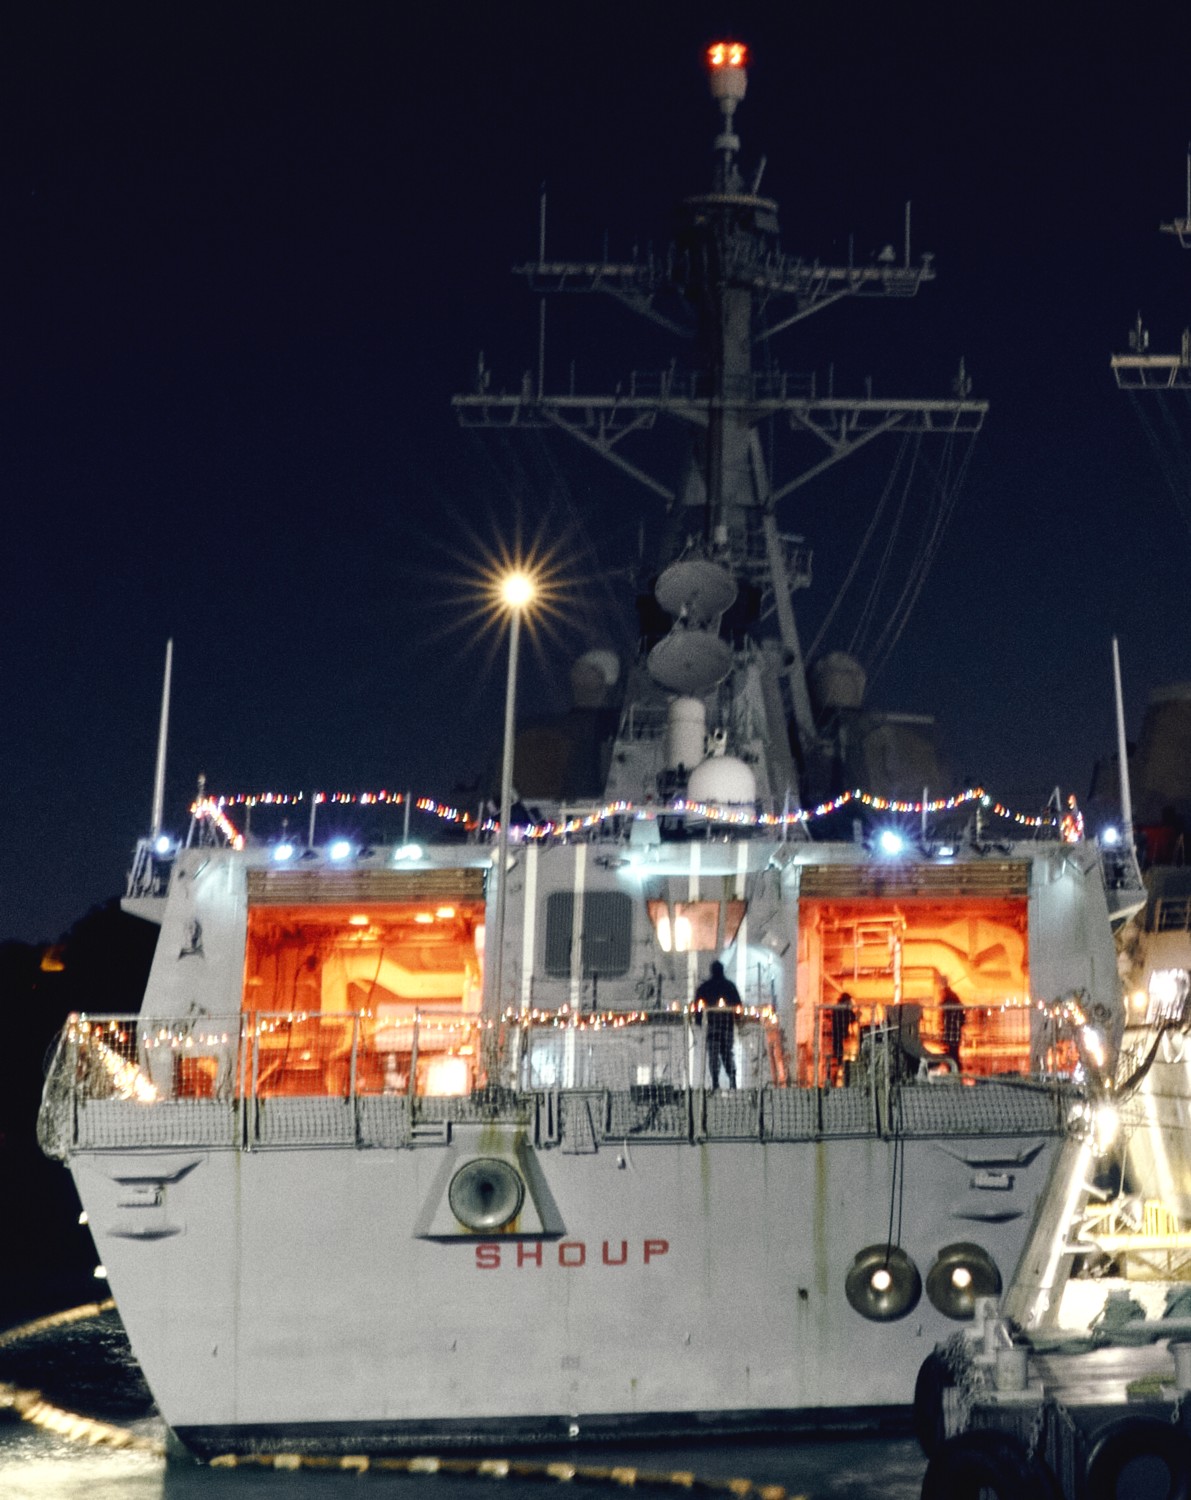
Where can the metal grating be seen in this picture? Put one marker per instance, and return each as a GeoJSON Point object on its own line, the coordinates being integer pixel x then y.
{"type": "Point", "coordinates": [985, 877]}
{"type": "Point", "coordinates": [305, 1122]}
{"type": "Point", "coordinates": [294, 887]}
{"type": "Point", "coordinates": [383, 1120]}
{"type": "Point", "coordinates": [951, 1109]}
{"type": "Point", "coordinates": [847, 1112]}
{"type": "Point", "coordinates": [790, 1115]}
{"type": "Point", "coordinates": [104, 1124]}
{"type": "Point", "coordinates": [651, 1112]}
{"type": "Point", "coordinates": [579, 1113]}
{"type": "Point", "coordinates": [480, 1108]}
{"type": "Point", "coordinates": [733, 1115]}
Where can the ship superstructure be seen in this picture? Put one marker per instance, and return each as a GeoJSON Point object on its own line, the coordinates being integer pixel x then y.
{"type": "Point", "coordinates": [1145, 1227]}
{"type": "Point", "coordinates": [716, 611]}
{"type": "Point", "coordinates": [356, 1185]}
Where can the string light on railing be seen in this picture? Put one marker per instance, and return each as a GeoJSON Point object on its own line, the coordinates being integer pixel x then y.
{"type": "Point", "coordinates": [214, 808]}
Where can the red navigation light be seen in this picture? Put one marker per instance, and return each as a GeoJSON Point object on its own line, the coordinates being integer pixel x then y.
{"type": "Point", "coordinates": [727, 55]}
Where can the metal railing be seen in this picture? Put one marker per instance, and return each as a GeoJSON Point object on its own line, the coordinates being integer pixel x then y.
{"type": "Point", "coordinates": [361, 1078]}
{"type": "Point", "coordinates": [913, 1042]}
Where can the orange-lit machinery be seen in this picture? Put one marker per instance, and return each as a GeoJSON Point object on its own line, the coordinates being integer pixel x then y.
{"type": "Point", "coordinates": [346, 998]}
{"type": "Point", "coordinates": [895, 959]}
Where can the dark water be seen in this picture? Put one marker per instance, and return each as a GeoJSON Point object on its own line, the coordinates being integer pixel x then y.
{"type": "Point", "coordinates": [87, 1368]}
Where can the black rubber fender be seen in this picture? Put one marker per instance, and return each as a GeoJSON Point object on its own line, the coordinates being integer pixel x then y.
{"type": "Point", "coordinates": [930, 1388]}
{"type": "Point", "coordinates": [1149, 1445]}
{"type": "Point", "coordinates": [984, 1464]}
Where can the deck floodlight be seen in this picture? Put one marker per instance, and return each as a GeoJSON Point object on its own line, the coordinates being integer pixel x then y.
{"type": "Point", "coordinates": [282, 852]}
{"type": "Point", "coordinates": [340, 849]}
{"type": "Point", "coordinates": [890, 842]}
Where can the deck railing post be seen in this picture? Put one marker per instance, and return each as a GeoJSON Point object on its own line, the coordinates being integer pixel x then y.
{"type": "Point", "coordinates": [413, 1068]}
{"type": "Point", "coordinates": [255, 1121]}
{"type": "Point", "coordinates": [816, 1064]}
{"type": "Point", "coordinates": [353, 1092]}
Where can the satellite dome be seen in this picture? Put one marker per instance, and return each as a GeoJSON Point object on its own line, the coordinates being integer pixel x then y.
{"type": "Point", "coordinates": [722, 779]}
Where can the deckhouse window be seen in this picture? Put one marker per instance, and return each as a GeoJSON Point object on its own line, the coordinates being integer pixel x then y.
{"type": "Point", "coordinates": [695, 926]}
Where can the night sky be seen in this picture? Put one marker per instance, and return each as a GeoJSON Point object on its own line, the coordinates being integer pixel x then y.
{"type": "Point", "coordinates": [251, 251]}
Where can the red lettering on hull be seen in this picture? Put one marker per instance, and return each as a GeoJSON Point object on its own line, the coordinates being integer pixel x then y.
{"type": "Point", "coordinates": [571, 1253]}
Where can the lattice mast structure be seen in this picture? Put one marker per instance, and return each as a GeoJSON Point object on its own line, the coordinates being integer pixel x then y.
{"type": "Point", "coordinates": [1139, 370]}
{"type": "Point", "coordinates": [727, 284]}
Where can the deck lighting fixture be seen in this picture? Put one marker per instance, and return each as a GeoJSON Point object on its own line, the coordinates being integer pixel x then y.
{"type": "Point", "coordinates": [282, 852]}
{"type": "Point", "coordinates": [890, 842]}
{"type": "Point", "coordinates": [163, 844]}
{"type": "Point", "coordinates": [1106, 1126]}
{"type": "Point", "coordinates": [408, 852]}
{"type": "Point", "coordinates": [340, 849]}
{"type": "Point", "coordinates": [1110, 837]}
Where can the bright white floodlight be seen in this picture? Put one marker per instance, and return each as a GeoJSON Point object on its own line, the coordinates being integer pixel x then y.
{"type": "Point", "coordinates": [517, 590]}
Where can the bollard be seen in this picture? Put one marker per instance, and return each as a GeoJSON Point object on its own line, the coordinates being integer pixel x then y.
{"type": "Point", "coordinates": [1012, 1368]}
{"type": "Point", "coordinates": [1182, 1364]}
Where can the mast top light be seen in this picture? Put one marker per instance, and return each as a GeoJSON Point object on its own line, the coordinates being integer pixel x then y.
{"type": "Point", "coordinates": [726, 63]}
{"type": "Point", "coordinates": [727, 55]}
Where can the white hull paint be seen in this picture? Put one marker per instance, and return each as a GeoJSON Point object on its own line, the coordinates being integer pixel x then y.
{"type": "Point", "coordinates": [288, 1294]}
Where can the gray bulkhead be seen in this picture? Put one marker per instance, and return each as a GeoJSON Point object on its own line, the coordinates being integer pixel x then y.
{"type": "Point", "coordinates": [198, 965]}
{"type": "Point", "coordinates": [581, 935]}
{"type": "Point", "coordinates": [1071, 942]}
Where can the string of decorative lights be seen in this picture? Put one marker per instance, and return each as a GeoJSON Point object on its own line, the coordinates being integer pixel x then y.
{"type": "Point", "coordinates": [215, 809]}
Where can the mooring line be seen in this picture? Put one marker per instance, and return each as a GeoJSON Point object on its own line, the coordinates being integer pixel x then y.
{"type": "Point", "coordinates": [32, 1407]}
{"type": "Point", "coordinates": [505, 1468]}
{"type": "Point", "coordinates": [78, 1314]}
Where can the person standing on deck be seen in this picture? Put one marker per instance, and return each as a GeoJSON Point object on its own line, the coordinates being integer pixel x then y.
{"type": "Point", "coordinates": [720, 998]}
{"type": "Point", "coordinates": [843, 1017]}
{"type": "Point", "coordinates": [951, 1008]}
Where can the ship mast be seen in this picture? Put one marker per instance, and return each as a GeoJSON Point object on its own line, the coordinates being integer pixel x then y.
{"type": "Point", "coordinates": [1139, 370]}
{"type": "Point", "coordinates": [727, 284]}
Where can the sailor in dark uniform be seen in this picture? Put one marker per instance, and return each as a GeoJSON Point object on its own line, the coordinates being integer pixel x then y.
{"type": "Point", "coordinates": [951, 1008]}
{"type": "Point", "coordinates": [720, 999]}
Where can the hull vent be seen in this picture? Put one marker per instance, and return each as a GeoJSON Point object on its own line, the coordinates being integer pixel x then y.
{"type": "Point", "coordinates": [977, 878]}
{"type": "Point", "coordinates": [349, 887]}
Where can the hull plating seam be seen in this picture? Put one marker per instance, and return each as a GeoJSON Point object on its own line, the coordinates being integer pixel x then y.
{"type": "Point", "coordinates": [503, 1434]}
